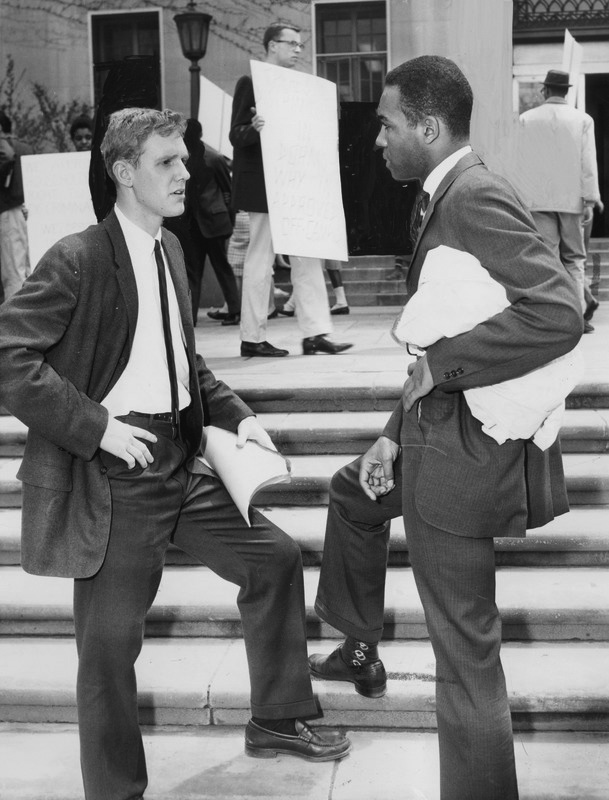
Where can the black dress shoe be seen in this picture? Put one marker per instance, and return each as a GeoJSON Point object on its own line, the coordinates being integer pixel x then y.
{"type": "Point", "coordinates": [587, 327]}
{"type": "Point", "coordinates": [217, 315]}
{"type": "Point", "coordinates": [337, 310]}
{"type": "Point", "coordinates": [320, 344]}
{"type": "Point", "coordinates": [591, 307]}
{"type": "Point", "coordinates": [261, 349]}
{"type": "Point", "coordinates": [273, 315]}
{"type": "Point", "coordinates": [314, 745]}
{"type": "Point", "coordinates": [286, 312]}
{"type": "Point", "coordinates": [370, 679]}
{"type": "Point", "coordinates": [231, 319]}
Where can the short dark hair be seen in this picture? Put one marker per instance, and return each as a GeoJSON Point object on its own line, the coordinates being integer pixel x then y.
{"type": "Point", "coordinates": [5, 122]}
{"type": "Point", "coordinates": [275, 29]}
{"type": "Point", "coordinates": [434, 86]}
{"type": "Point", "coordinates": [80, 122]}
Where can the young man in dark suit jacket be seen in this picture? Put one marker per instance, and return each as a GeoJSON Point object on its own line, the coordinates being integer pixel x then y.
{"type": "Point", "coordinates": [455, 486]}
{"type": "Point", "coordinates": [103, 371]}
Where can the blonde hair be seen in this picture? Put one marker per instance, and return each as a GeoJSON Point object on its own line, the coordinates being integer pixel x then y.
{"type": "Point", "coordinates": [130, 128]}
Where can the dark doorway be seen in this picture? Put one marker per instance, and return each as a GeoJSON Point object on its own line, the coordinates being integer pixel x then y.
{"type": "Point", "coordinates": [597, 105]}
{"type": "Point", "coordinates": [377, 208]}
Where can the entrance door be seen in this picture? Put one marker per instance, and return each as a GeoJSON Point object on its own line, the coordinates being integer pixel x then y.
{"type": "Point", "coordinates": [597, 105]}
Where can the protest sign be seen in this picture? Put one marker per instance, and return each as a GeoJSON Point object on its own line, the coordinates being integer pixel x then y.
{"type": "Point", "coordinates": [57, 197]}
{"type": "Point", "coordinates": [300, 154]}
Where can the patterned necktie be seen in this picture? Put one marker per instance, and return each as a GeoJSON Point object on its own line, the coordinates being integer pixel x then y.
{"type": "Point", "coordinates": [171, 364]}
{"type": "Point", "coordinates": [416, 218]}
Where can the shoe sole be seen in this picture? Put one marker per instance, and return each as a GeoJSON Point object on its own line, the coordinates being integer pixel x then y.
{"type": "Point", "coordinates": [267, 752]}
{"type": "Point", "coordinates": [373, 692]}
{"type": "Point", "coordinates": [263, 355]}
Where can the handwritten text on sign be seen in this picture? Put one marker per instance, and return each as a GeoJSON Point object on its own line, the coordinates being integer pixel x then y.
{"type": "Point", "coordinates": [300, 154]}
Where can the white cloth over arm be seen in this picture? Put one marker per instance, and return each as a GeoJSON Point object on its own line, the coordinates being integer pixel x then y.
{"type": "Point", "coordinates": [455, 294]}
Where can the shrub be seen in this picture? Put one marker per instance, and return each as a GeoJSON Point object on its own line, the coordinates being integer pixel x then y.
{"type": "Point", "coordinates": [43, 123]}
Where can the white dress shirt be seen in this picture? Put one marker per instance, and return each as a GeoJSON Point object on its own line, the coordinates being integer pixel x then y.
{"type": "Point", "coordinates": [434, 179]}
{"type": "Point", "coordinates": [144, 385]}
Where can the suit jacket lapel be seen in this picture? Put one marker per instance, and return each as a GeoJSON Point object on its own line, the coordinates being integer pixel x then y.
{"type": "Point", "coordinates": [465, 163]}
{"type": "Point", "coordinates": [124, 271]}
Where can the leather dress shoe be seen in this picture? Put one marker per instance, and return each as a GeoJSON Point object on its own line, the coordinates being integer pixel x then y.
{"type": "Point", "coordinates": [321, 344]}
{"type": "Point", "coordinates": [286, 312]}
{"type": "Point", "coordinates": [337, 310]}
{"type": "Point", "coordinates": [231, 319]}
{"type": "Point", "coordinates": [262, 349]}
{"type": "Point", "coordinates": [314, 745]}
{"type": "Point", "coordinates": [370, 679]}
{"type": "Point", "coordinates": [217, 315]}
{"type": "Point", "coordinates": [591, 307]}
{"type": "Point", "coordinates": [588, 328]}
{"type": "Point", "coordinates": [273, 315]}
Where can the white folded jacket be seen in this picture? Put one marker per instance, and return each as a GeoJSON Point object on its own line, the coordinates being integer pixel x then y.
{"type": "Point", "coordinates": [455, 294]}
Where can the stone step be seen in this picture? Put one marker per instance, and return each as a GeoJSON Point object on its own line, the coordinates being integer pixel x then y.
{"type": "Point", "coordinates": [551, 686]}
{"type": "Point", "coordinates": [303, 433]}
{"type": "Point", "coordinates": [587, 478]}
{"type": "Point", "coordinates": [577, 539]}
{"type": "Point", "coordinates": [550, 603]}
{"type": "Point", "coordinates": [42, 761]}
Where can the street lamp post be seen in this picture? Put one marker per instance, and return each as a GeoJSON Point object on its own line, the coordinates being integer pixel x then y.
{"type": "Point", "coordinates": [193, 30]}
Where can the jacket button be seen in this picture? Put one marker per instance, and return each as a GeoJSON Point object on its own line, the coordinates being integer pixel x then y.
{"type": "Point", "coordinates": [453, 373]}
{"type": "Point", "coordinates": [460, 371]}
{"type": "Point", "coordinates": [447, 375]}
{"type": "Point", "coordinates": [103, 470]}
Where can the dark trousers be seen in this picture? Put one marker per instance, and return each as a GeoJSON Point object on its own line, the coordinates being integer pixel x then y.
{"type": "Point", "coordinates": [150, 508]}
{"type": "Point", "coordinates": [215, 248]}
{"type": "Point", "coordinates": [455, 577]}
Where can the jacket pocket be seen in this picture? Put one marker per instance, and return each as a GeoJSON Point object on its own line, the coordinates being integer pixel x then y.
{"type": "Point", "coordinates": [47, 476]}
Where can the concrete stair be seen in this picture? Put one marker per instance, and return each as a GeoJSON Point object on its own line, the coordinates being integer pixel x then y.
{"type": "Point", "coordinates": [372, 280]}
{"type": "Point", "coordinates": [192, 674]}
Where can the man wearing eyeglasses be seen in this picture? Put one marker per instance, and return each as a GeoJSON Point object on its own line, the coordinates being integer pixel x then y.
{"type": "Point", "coordinates": [283, 45]}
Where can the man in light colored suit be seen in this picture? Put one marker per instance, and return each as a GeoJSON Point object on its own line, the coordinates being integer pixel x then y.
{"type": "Point", "coordinates": [282, 45]}
{"type": "Point", "coordinates": [558, 173]}
{"type": "Point", "coordinates": [98, 359]}
{"type": "Point", "coordinates": [455, 486]}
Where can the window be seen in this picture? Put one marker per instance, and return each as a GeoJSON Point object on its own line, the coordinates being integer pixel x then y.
{"type": "Point", "coordinates": [118, 36]}
{"type": "Point", "coordinates": [352, 48]}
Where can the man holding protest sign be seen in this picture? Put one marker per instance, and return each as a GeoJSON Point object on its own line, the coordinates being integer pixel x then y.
{"type": "Point", "coordinates": [283, 45]}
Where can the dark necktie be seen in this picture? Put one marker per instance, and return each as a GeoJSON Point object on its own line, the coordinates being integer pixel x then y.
{"type": "Point", "coordinates": [171, 364]}
{"type": "Point", "coordinates": [416, 218]}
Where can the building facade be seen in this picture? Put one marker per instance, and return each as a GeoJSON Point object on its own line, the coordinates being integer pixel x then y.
{"type": "Point", "coordinates": [504, 47]}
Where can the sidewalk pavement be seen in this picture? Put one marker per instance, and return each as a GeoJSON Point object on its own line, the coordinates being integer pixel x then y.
{"type": "Point", "coordinates": [375, 356]}
{"type": "Point", "coordinates": [203, 763]}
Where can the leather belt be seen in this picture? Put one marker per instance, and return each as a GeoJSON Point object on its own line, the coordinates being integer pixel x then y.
{"type": "Point", "coordinates": [163, 417]}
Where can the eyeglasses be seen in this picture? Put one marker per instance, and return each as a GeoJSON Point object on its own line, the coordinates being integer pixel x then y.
{"type": "Point", "coordinates": [290, 43]}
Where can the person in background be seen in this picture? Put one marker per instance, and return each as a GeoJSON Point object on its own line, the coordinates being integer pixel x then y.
{"type": "Point", "coordinates": [209, 220]}
{"type": "Point", "coordinates": [557, 156]}
{"type": "Point", "coordinates": [14, 254]}
{"type": "Point", "coordinates": [283, 45]}
{"type": "Point", "coordinates": [81, 133]}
